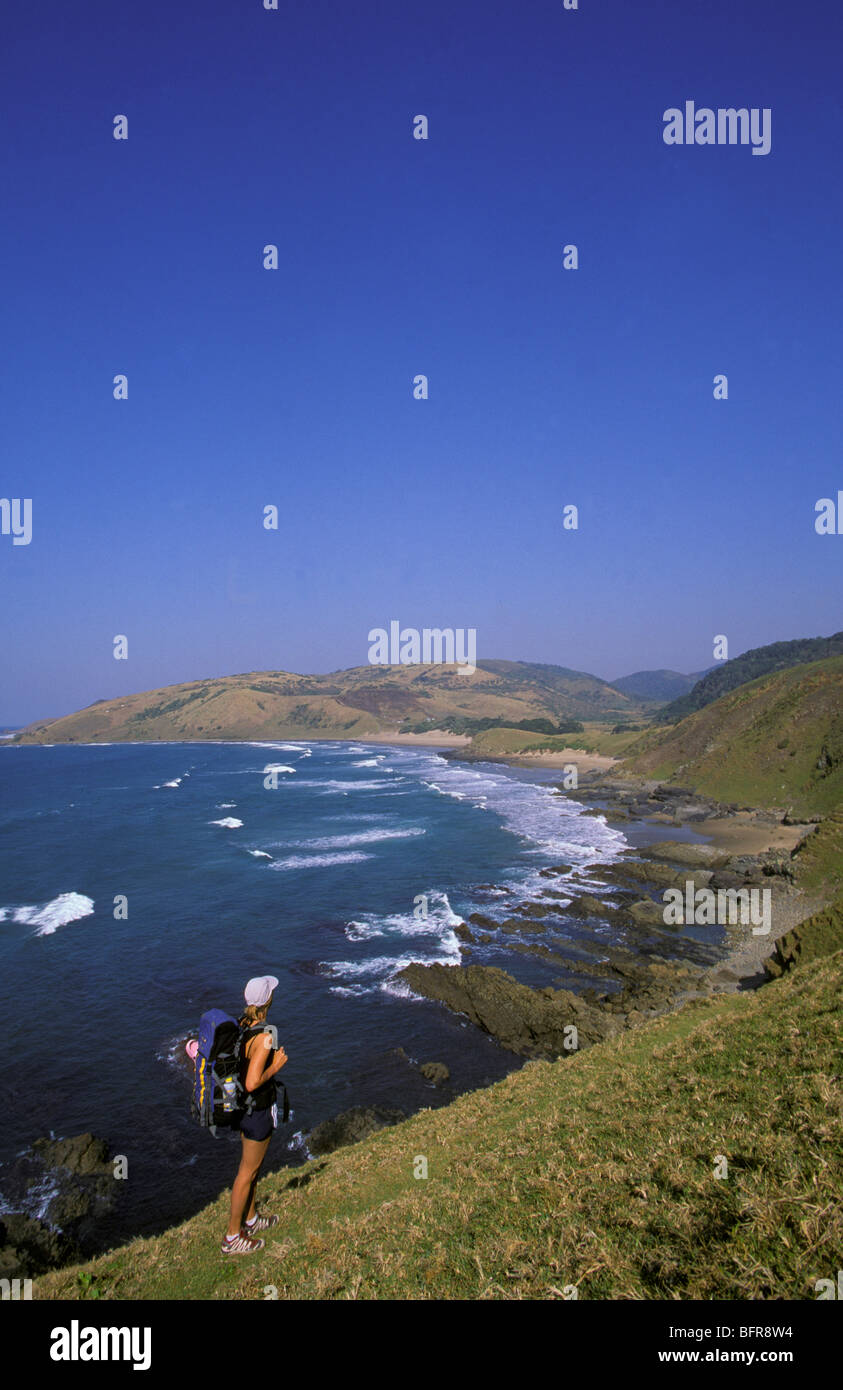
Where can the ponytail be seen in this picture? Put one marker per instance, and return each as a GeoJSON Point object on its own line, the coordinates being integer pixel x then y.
{"type": "Point", "coordinates": [255, 1013]}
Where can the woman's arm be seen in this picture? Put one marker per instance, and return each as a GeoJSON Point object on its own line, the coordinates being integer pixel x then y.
{"type": "Point", "coordinates": [260, 1068]}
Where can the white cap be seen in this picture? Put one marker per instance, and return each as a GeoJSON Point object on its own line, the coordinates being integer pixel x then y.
{"type": "Point", "coordinates": [259, 990]}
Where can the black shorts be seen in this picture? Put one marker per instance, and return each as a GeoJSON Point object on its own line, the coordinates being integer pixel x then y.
{"type": "Point", "coordinates": [260, 1124]}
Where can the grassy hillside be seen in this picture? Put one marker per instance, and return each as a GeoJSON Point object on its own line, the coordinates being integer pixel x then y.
{"type": "Point", "coordinates": [777, 741]}
{"type": "Point", "coordinates": [596, 737]}
{"type": "Point", "coordinates": [760, 661]}
{"type": "Point", "coordinates": [820, 936]}
{"type": "Point", "coordinates": [344, 704]}
{"type": "Point", "coordinates": [819, 858]}
{"type": "Point", "coordinates": [596, 1171]}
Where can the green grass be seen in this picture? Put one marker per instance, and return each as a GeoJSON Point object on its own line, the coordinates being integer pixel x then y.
{"type": "Point", "coordinates": [777, 741]}
{"type": "Point", "coordinates": [819, 859]}
{"type": "Point", "coordinates": [596, 738]}
{"type": "Point", "coordinates": [818, 936]}
{"type": "Point", "coordinates": [596, 1171]}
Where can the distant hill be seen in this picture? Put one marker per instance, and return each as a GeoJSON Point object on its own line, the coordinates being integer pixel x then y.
{"type": "Point", "coordinates": [775, 741]}
{"type": "Point", "coordinates": [656, 686]}
{"type": "Point", "coordinates": [344, 704]}
{"type": "Point", "coordinates": [777, 656]}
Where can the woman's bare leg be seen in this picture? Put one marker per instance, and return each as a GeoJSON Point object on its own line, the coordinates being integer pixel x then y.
{"type": "Point", "coordinates": [243, 1191]}
{"type": "Point", "coordinates": [251, 1209]}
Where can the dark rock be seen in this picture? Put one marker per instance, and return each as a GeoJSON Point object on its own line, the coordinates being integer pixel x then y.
{"type": "Point", "coordinates": [436, 1072]}
{"type": "Point", "coordinates": [780, 868]}
{"type": "Point", "coordinates": [552, 870]}
{"type": "Point", "coordinates": [81, 1154]}
{"type": "Point", "coordinates": [28, 1247]}
{"type": "Point", "coordinates": [676, 851]}
{"type": "Point", "coordinates": [463, 932]}
{"type": "Point", "coordinates": [588, 906]}
{"type": "Point", "coordinates": [638, 871]}
{"type": "Point", "coordinates": [81, 1175]}
{"type": "Point", "coordinates": [478, 920]}
{"type": "Point", "coordinates": [723, 878]}
{"type": "Point", "coordinates": [646, 912]}
{"type": "Point", "coordinates": [353, 1125]}
{"type": "Point", "coordinates": [528, 1022]}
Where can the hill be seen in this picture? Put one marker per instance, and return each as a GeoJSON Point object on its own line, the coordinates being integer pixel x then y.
{"type": "Point", "coordinates": [595, 1173]}
{"type": "Point", "coordinates": [657, 686]}
{"type": "Point", "coordinates": [364, 700]}
{"type": "Point", "coordinates": [775, 741]}
{"type": "Point", "coordinates": [777, 656]}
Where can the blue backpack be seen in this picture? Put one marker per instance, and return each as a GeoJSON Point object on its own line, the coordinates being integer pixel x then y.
{"type": "Point", "coordinates": [219, 1097]}
{"type": "Point", "coordinates": [220, 1100]}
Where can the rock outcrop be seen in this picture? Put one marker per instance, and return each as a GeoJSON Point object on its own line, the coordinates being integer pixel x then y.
{"type": "Point", "coordinates": [531, 1023]}
{"type": "Point", "coordinates": [351, 1126]}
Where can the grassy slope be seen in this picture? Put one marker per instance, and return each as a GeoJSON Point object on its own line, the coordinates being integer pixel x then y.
{"type": "Point", "coordinates": [596, 1170]}
{"type": "Point", "coordinates": [759, 661]}
{"type": "Point", "coordinates": [819, 936]}
{"type": "Point", "coordinates": [819, 858]}
{"type": "Point", "coordinates": [344, 704]}
{"type": "Point", "coordinates": [597, 737]}
{"type": "Point", "coordinates": [760, 744]}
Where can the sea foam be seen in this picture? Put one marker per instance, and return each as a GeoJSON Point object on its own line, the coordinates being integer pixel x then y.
{"type": "Point", "coordinates": [318, 861]}
{"type": "Point", "coordinates": [67, 907]}
{"type": "Point", "coordinates": [362, 837]}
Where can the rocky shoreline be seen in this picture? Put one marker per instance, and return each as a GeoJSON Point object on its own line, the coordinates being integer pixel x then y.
{"type": "Point", "coordinates": [655, 967]}
{"type": "Point", "coordinates": [75, 1178]}
{"type": "Point", "coordinates": [649, 969]}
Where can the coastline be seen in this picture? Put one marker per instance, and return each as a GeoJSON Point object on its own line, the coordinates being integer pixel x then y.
{"type": "Point", "coordinates": [586, 762]}
{"type": "Point", "coordinates": [748, 836]}
{"type": "Point", "coordinates": [649, 985]}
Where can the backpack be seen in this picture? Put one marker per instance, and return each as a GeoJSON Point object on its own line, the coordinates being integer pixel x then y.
{"type": "Point", "coordinates": [220, 1100]}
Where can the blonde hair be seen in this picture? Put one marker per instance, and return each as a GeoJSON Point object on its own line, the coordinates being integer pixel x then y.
{"type": "Point", "coordinates": [255, 1013]}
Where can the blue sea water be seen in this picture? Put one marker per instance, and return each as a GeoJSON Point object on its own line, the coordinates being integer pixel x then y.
{"type": "Point", "coordinates": [321, 880]}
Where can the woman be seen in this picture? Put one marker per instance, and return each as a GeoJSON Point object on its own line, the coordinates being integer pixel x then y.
{"type": "Point", "coordinates": [258, 1065]}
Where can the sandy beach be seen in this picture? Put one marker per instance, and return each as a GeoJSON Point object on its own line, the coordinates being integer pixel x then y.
{"type": "Point", "coordinates": [435, 738]}
{"type": "Point", "coordinates": [744, 833]}
{"type": "Point", "coordinates": [586, 762]}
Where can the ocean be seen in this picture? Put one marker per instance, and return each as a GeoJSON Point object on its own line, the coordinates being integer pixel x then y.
{"type": "Point", "coordinates": [143, 884]}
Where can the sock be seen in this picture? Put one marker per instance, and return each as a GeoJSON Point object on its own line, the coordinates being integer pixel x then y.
{"type": "Point", "coordinates": [252, 1222]}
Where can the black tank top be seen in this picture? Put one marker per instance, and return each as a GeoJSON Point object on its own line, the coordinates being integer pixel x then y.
{"type": "Point", "coordinates": [265, 1095]}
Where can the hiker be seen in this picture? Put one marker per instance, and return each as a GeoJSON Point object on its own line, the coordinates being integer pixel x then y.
{"type": "Point", "coordinates": [259, 1063]}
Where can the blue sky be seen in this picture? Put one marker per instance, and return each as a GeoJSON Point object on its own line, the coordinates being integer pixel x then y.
{"type": "Point", "coordinates": [293, 387]}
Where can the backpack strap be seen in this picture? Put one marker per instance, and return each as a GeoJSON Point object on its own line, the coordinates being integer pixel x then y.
{"type": "Point", "coordinates": [257, 1028]}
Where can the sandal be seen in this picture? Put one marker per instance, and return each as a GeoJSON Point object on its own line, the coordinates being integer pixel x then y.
{"type": "Point", "coordinates": [260, 1223]}
{"type": "Point", "coordinates": [240, 1245]}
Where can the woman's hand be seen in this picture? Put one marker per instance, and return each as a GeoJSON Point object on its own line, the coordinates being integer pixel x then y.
{"type": "Point", "coordinates": [278, 1061]}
